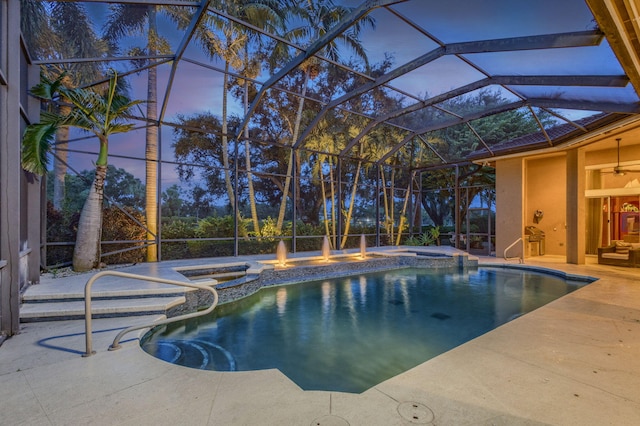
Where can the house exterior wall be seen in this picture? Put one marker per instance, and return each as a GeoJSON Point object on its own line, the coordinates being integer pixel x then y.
{"type": "Point", "coordinates": [9, 167]}
{"type": "Point", "coordinates": [545, 189]}
{"type": "Point", "coordinates": [20, 212]}
{"type": "Point", "coordinates": [556, 183]}
{"type": "Point", "coordinates": [629, 150]}
{"type": "Point", "coordinates": [509, 206]}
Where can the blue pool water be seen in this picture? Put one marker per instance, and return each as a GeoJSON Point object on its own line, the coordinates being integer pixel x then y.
{"type": "Point", "coordinates": [349, 334]}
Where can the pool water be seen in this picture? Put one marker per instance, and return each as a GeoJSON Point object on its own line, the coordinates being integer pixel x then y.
{"type": "Point", "coordinates": [349, 334]}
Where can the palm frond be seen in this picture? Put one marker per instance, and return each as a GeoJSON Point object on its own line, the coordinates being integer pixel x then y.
{"type": "Point", "coordinates": [36, 144]}
{"type": "Point", "coordinates": [121, 128]}
{"type": "Point", "coordinates": [123, 106]}
{"type": "Point", "coordinates": [47, 117]}
{"type": "Point", "coordinates": [90, 111]}
{"type": "Point", "coordinates": [47, 88]}
{"type": "Point", "coordinates": [77, 118]}
{"type": "Point", "coordinates": [125, 19]}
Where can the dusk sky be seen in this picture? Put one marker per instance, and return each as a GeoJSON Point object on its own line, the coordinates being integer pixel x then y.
{"type": "Point", "coordinates": [197, 89]}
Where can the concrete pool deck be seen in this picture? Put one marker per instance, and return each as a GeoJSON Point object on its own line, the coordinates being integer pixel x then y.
{"type": "Point", "coordinates": [573, 361]}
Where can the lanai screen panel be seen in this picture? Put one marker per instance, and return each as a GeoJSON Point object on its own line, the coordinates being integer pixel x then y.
{"type": "Point", "coordinates": [292, 74]}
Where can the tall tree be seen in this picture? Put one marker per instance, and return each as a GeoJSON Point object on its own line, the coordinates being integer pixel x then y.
{"type": "Point", "coordinates": [222, 38]}
{"type": "Point", "coordinates": [275, 116]}
{"type": "Point", "coordinates": [120, 187]}
{"type": "Point", "coordinates": [199, 152]}
{"type": "Point", "coordinates": [456, 142]}
{"type": "Point", "coordinates": [315, 18]}
{"type": "Point", "coordinates": [172, 203]}
{"type": "Point", "coordinates": [266, 15]}
{"type": "Point", "coordinates": [100, 114]}
{"type": "Point", "coordinates": [126, 19]}
{"type": "Point", "coordinates": [77, 40]}
{"type": "Point", "coordinates": [63, 30]}
{"type": "Point", "coordinates": [36, 28]}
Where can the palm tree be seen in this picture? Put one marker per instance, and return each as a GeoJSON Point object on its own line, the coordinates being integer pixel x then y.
{"type": "Point", "coordinates": [267, 15]}
{"type": "Point", "coordinates": [35, 27]}
{"type": "Point", "coordinates": [62, 30]}
{"type": "Point", "coordinates": [230, 41]}
{"type": "Point", "coordinates": [317, 17]}
{"type": "Point", "coordinates": [100, 114]}
{"type": "Point", "coordinates": [75, 38]}
{"type": "Point", "coordinates": [124, 20]}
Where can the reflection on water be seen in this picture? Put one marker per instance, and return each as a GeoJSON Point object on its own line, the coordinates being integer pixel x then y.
{"type": "Point", "coordinates": [348, 334]}
{"type": "Point", "coordinates": [281, 300]}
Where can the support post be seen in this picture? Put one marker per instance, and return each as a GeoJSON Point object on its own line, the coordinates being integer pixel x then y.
{"type": "Point", "coordinates": [159, 196]}
{"type": "Point", "coordinates": [235, 198]}
{"type": "Point", "coordinates": [11, 186]}
{"type": "Point", "coordinates": [456, 214]}
{"type": "Point", "coordinates": [294, 199]}
{"type": "Point", "coordinates": [575, 222]}
{"type": "Point", "coordinates": [339, 206]}
{"type": "Point", "coordinates": [378, 170]}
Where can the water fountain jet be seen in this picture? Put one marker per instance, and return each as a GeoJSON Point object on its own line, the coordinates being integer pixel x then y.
{"type": "Point", "coordinates": [281, 253]}
{"type": "Point", "coordinates": [326, 249]}
{"type": "Point", "coordinates": [363, 246]}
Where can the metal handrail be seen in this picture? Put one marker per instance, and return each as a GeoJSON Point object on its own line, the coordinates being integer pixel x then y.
{"type": "Point", "coordinates": [519, 240]}
{"type": "Point", "coordinates": [116, 342]}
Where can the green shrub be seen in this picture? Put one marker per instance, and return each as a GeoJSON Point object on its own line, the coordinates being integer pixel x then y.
{"type": "Point", "coordinates": [220, 227]}
{"type": "Point", "coordinates": [255, 246]}
{"type": "Point", "coordinates": [62, 226]}
{"type": "Point", "coordinates": [413, 240]}
{"type": "Point", "coordinates": [118, 225]}
{"type": "Point", "coordinates": [177, 229]}
{"type": "Point", "coordinates": [268, 229]}
{"type": "Point", "coordinates": [309, 230]}
{"type": "Point", "coordinates": [200, 248]}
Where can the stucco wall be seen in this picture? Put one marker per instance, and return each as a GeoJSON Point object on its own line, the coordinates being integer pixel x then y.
{"type": "Point", "coordinates": [545, 189]}
{"type": "Point", "coordinates": [629, 151]}
{"type": "Point", "coordinates": [509, 212]}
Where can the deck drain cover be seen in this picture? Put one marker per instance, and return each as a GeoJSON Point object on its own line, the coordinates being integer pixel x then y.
{"type": "Point", "coordinates": [415, 412]}
{"type": "Point", "coordinates": [329, 421]}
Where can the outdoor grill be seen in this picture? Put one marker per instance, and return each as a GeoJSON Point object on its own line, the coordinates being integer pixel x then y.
{"type": "Point", "coordinates": [535, 240]}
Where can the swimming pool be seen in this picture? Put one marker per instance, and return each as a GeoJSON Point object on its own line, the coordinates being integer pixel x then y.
{"type": "Point", "coordinates": [348, 334]}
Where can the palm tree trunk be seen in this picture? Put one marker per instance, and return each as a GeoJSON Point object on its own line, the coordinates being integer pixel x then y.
{"type": "Point", "coordinates": [225, 140]}
{"type": "Point", "coordinates": [392, 203]}
{"type": "Point", "coordinates": [60, 159]}
{"type": "Point", "coordinates": [285, 194]}
{"type": "Point", "coordinates": [294, 138]}
{"type": "Point", "coordinates": [333, 205]}
{"type": "Point", "coordinates": [86, 253]}
{"type": "Point", "coordinates": [404, 211]}
{"type": "Point", "coordinates": [350, 211]}
{"type": "Point", "coordinates": [324, 199]}
{"type": "Point", "coordinates": [297, 184]}
{"type": "Point", "coordinates": [247, 153]}
{"type": "Point", "coordinates": [385, 203]}
{"type": "Point", "coordinates": [151, 150]}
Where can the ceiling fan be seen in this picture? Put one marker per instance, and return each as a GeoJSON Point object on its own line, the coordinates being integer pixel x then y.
{"type": "Point", "coordinates": [617, 170]}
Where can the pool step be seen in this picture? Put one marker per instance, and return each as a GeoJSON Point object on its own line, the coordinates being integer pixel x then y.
{"type": "Point", "coordinates": [193, 353]}
{"type": "Point", "coordinates": [61, 302]}
{"type": "Point", "coordinates": [61, 310]}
